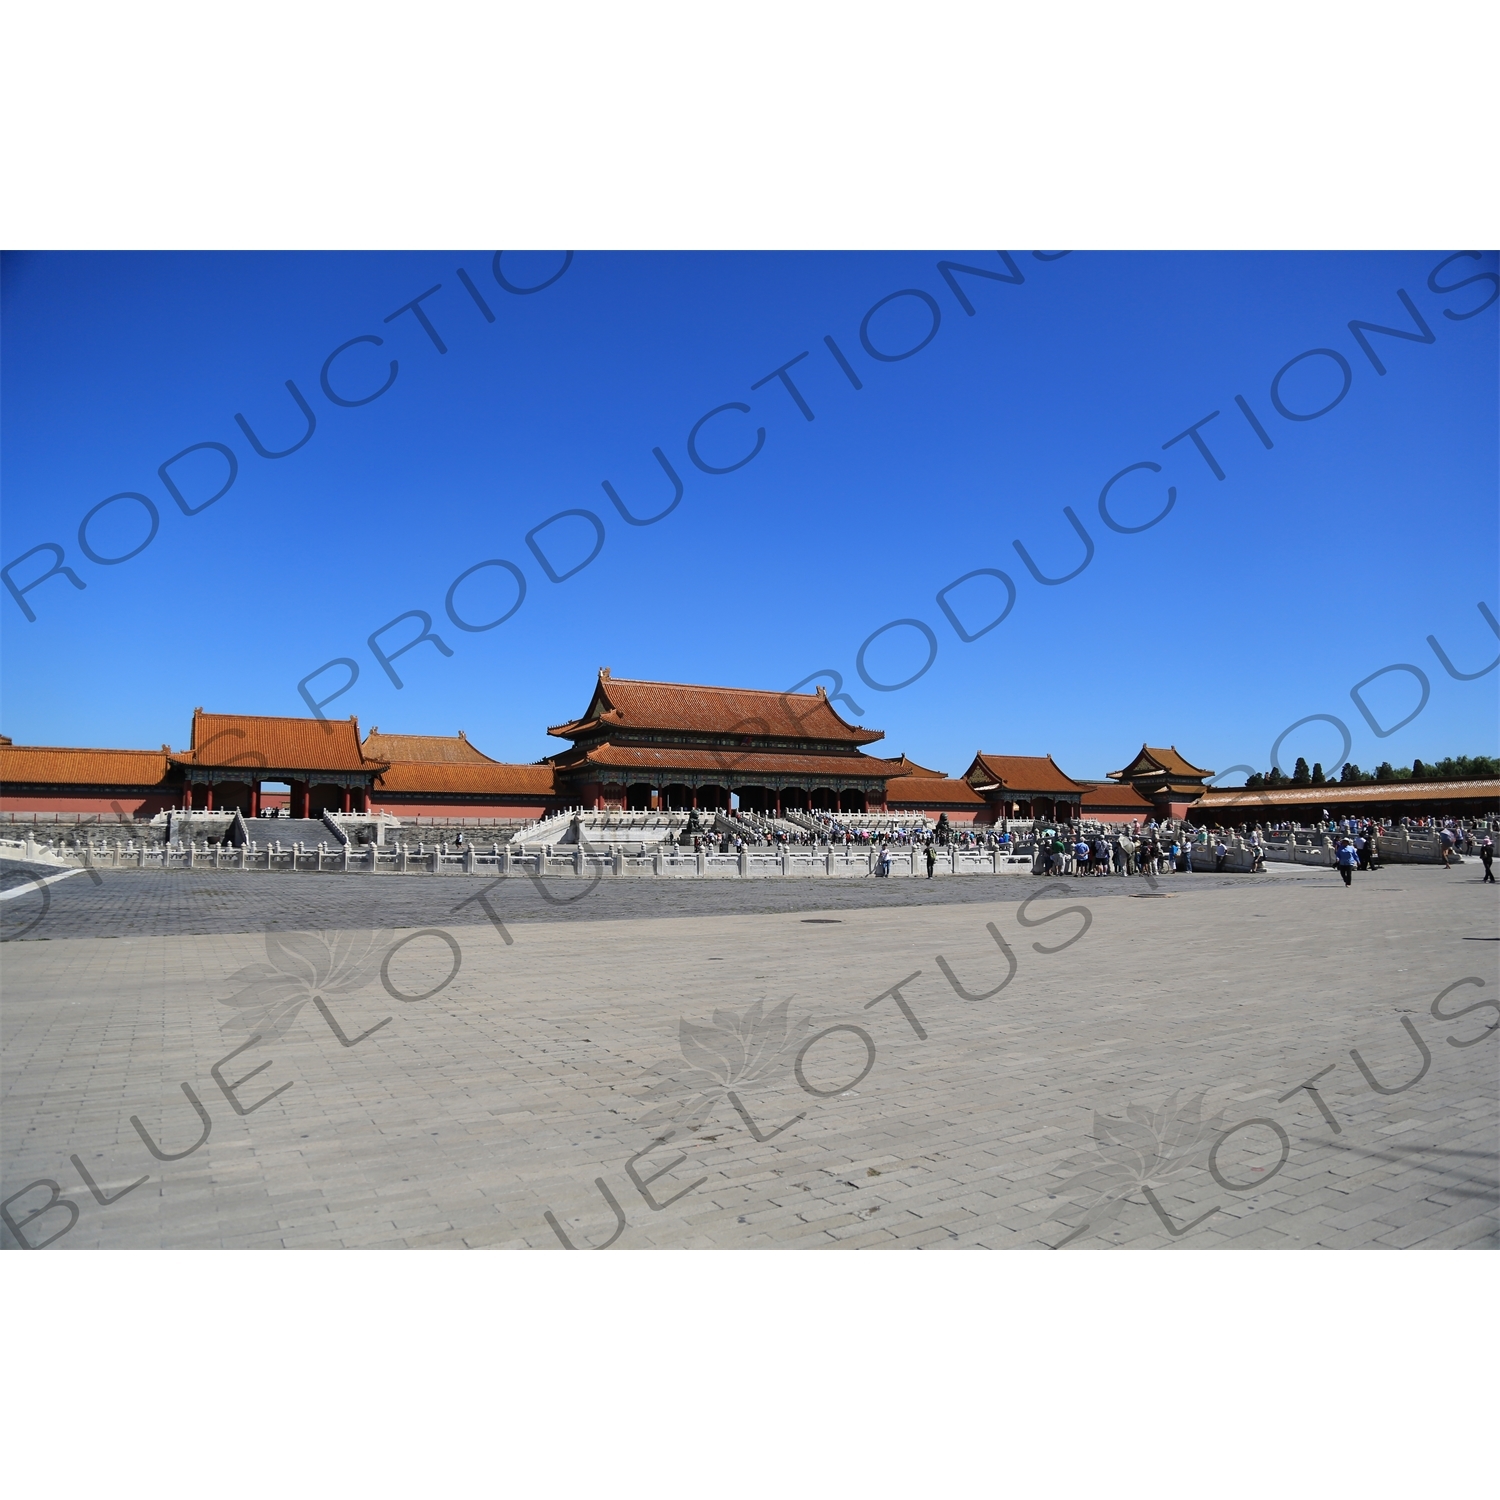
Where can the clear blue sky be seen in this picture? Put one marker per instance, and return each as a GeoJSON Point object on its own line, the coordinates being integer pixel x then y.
{"type": "Point", "coordinates": [1260, 599]}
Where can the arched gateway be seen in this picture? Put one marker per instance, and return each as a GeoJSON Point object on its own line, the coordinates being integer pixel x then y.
{"type": "Point", "coordinates": [232, 754]}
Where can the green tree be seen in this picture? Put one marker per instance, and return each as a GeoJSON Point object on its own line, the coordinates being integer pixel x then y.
{"type": "Point", "coordinates": [1318, 778]}
{"type": "Point", "coordinates": [1464, 768]}
{"type": "Point", "coordinates": [1385, 771]}
{"type": "Point", "coordinates": [1349, 775]}
{"type": "Point", "coordinates": [1301, 776]}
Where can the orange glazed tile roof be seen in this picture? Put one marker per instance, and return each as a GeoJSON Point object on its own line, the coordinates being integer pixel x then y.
{"type": "Point", "coordinates": [731, 763]}
{"type": "Point", "coordinates": [1019, 774]}
{"type": "Point", "coordinates": [931, 791]}
{"type": "Point", "coordinates": [424, 747]}
{"type": "Point", "coordinates": [624, 704]}
{"type": "Point", "coordinates": [1156, 758]}
{"type": "Point", "coordinates": [46, 765]}
{"type": "Point", "coordinates": [490, 778]}
{"type": "Point", "coordinates": [1108, 794]}
{"type": "Point", "coordinates": [903, 765]}
{"type": "Point", "coordinates": [1368, 791]}
{"type": "Point", "coordinates": [246, 741]}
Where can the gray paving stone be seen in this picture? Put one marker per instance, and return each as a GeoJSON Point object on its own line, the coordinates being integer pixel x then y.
{"type": "Point", "coordinates": [507, 1093]}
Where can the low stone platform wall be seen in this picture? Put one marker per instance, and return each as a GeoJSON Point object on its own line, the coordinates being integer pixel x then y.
{"type": "Point", "coordinates": [665, 862]}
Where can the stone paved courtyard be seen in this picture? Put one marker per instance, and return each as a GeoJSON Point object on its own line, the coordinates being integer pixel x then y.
{"type": "Point", "coordinates": [720, 1058]}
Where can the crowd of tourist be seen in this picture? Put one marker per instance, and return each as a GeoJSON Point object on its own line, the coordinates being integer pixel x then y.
{"type": "Point", "coordinates": [1099, 849]}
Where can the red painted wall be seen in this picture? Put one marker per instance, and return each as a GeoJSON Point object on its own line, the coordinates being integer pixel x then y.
{"type": "Point", "coordinates": [955, 814]}
{"type": "Point", "coordinates": [460, 809]}
{"type": "Point", "coordinates": [132, 805]}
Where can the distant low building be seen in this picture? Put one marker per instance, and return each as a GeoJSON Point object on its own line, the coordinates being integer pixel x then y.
{"type": "Point", "coordinates": [934, 796]}
{"type": "Point", "coordinates": [104, 783]}
{"type": "Point", "coordinates": [442, 776]}
{"type": "Point", "coordinates": [1239, 807]}
{"type": "Point", "coordinates": [1025, 786]}
{"type": "Point", "coordinates": [1164, 778]}
{"type": "Point", "coordinates": [1110, 802]}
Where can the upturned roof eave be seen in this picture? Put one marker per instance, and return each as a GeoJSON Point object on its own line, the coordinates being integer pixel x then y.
{"type": "Point", "coordinates": [988, 762]}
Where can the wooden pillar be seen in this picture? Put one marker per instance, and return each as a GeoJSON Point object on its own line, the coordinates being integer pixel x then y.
{"type": "Point", "coordinates": [209, 798]}
{"type": "Point", "coordinates": [695, 798]}
{"type": "Point", "coordinates": [778, 802]}
{"type": "Point", "coordinates": [348, 800]}
{"type": "Point", "coordinates": [255, 799]}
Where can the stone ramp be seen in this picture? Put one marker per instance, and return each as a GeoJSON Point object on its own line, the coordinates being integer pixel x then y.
{"type": "Point", "coordinates": [309, 832]}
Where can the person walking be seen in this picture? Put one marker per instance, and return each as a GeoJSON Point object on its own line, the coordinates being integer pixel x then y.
{"type": "Point", "coordinates": [931, 859]}
{"type": "Point", "coordinates": [1221, 854]}
{"type": "Point", "coordinates": [1348, 858]}
{"type": "Point", "coordinates": [1445, 846]}
{"type": "Point", "coordinates": [1486, 858]}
